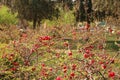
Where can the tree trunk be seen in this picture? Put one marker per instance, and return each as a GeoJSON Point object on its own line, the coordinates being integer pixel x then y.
{"type": "Point", "coordinates": [89, 11]}
{"type": "Point", "coordinates": [35, 21]}
{"type": "Point", "coordinates": [81, 11]}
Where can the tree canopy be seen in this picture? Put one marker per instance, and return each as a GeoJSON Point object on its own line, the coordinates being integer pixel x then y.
{"type": "Point", "coordinates": [87, 10]}
{"type": "Point", "coordinates": [33, 10]}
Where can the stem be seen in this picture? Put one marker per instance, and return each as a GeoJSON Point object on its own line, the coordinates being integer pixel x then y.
{"type": "Point", "coordinates": [111, 61]}
{"type": "Point", "coordinates": [102, 75]}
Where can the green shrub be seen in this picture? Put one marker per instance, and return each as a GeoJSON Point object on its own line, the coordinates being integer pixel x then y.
{"type": "Point", "coordinates": [6, 17]}
{"type": "Point", "coordinates": [111, 45]}
{"type": "Point", "coordinates": [65, 18]}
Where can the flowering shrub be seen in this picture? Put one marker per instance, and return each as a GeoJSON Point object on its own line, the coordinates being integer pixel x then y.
{"type": "Point", "coordinates": [35, 56]}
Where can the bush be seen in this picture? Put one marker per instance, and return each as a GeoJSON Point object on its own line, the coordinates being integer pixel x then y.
{"type": "Point", "coordinates": [37, 56]}
{"type": "Point", "coordinates": [110, 45]}
{"type": "Point", "coordinates": [65, 18]}
{"type": "Point", "coordinates": [9, 33]}
{"type": "Point", "coordinates": [6, 17]}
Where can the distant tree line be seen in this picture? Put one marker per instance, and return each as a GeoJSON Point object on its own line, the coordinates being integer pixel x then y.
{"type": "Point", "coordinates": [84, 10]}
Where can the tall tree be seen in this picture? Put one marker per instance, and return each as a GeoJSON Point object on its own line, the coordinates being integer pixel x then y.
{"type": "Point", "coordinates": [33, 10]}
{"type": "Point", "coordinates": [84, 11]}
{"type": "Point", "coordinates": [106, 8]}
{"type": "Point", "coordinates": [66, 4]}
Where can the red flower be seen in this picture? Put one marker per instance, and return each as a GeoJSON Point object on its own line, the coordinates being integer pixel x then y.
{"type": "Point", "coordinates": [111, 74]}
{"type": "Point", "coordinates": [64, 67]}
{"type": "Point", "coordinates": [64, 70]}
{"type": "Point", "coordinates": [65, 44]}
{"type": "Point", "coordinates": [14, 42]}
{"type": "Point", "coordinates": [10, 58]}
{"type": "Point", "coordinates": [24, 35]}
{"type": "Point", "coordinates": [47, 38]}
{"type": "Point", "coordinates": [103, 66]}
{"type": "Point", "coordinates": [57, 55]}
{"type": "Point", "coordinates": [118, 33]}
{"type": "Point", "coordinates": [112, 60]}
{"type": "Point", "coordinates": [87, 26]}
{"type": "Point", "coordinates": [4, 55]}
{"type": "Point", "coordinates": [72, 74]}
{"type": "Point", "coordinates": [32, 51]}
{"type": "Point", "coordinates": [70, 53]}
{"type": "Point", "coordinates": [87, 51]}
{"type": "Point", "coordinates": [74, 32]}
{"type": "Point", "coordinates": [92, 62]}
{"type": "Point", "coordinates": [33, 69]}
{"type": "Point", "coordinates": [13, 69]}
{"type": "Point", "coordinates": [15, 63]}
{"type": "Point", "coordinates": [86, 55]}
{"type": "Point", "coordinates": [110, 30]}
{"type": "Point", "coordinates": [44, 38]}
{"type": "Point", "coordinates": [100, 46]}
{"type": "Point", "coordinates": [36, 46]}
{"type": "Point", "coordinates": [101, 62]}
{"type": "Point", "coordinates": [43, 65]}
{"type": "Point", "coordinates": [58, 78]}
{"type": "Point", "coordinates": [50, 69]}
{"type": "Point", "coordinates": [12, 55]}
{"type": "Point", "coordinates": [26, 63]}
{"type": "Point", "coordinates": [91, 46]}
{"type": "Point", "coordinates": [73, 66]}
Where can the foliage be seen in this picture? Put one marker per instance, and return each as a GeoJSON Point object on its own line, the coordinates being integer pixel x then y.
{"type": "Point", "coordinates": [36, 55]}
{"type": "Point", "coordinates": [6, 17]}
{"type": "Point", "coordinates": [9, 33]}
{"type": "Point", "coordinates": [65, 18]}
{"type": "Point", "coordinates": [105, 8]}
{"type": "Point", "coordinates": [34, 10]}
